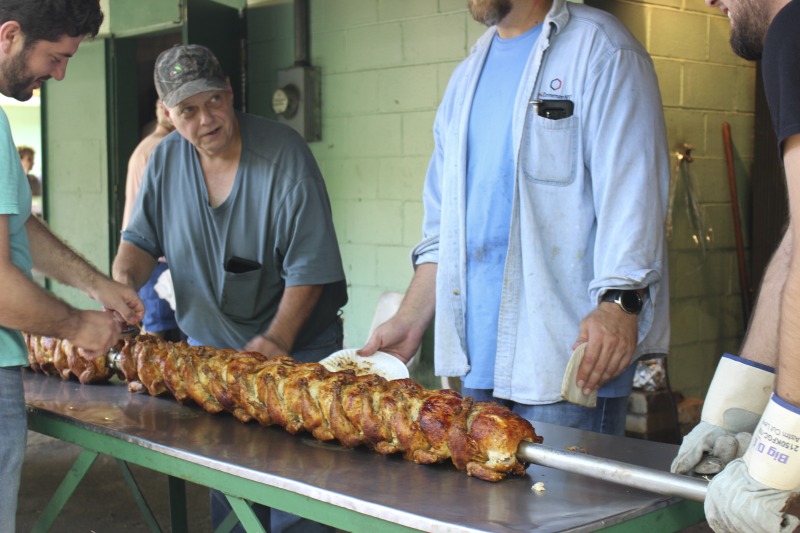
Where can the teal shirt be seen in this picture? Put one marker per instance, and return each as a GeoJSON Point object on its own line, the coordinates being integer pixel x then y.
{"type": "Point", "coordinates": [15, 202]}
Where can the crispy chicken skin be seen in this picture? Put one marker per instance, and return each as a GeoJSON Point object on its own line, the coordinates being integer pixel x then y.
{"type": "Point", "coordinates": [398, 416]}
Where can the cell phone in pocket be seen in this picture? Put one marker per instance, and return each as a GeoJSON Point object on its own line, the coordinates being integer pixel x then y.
{"type": "Point", "coordinates": [554, 109]}
{"type": "Point", "coordinates": [240, 265]}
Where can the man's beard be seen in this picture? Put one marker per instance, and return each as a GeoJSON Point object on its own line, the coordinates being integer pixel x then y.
{"type": "Point", "coordinates": [489, 12]}
{"type": "Point", "coordinates": [18, 80]}
{"type": "Point", "coordinates": [750, 26]}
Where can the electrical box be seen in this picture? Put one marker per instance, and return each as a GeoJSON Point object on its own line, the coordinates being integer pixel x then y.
{"type": "Point", "coordinates": [296, 101]}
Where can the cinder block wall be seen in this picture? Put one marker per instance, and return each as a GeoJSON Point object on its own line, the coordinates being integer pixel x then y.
{"type": "Point", "coordinates": [385, 65]}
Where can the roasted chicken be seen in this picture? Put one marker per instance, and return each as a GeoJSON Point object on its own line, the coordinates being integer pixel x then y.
{"type": "Point", "coordinates": [398, 416]}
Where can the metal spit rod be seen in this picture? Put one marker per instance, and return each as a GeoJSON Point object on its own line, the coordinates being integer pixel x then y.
{"type": "Point", "coordinates": [639, 477]}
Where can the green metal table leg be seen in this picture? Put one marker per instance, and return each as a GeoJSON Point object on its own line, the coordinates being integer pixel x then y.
{"type": "Point", "coordinates": [245, 515]}
{"type": "Point", "coordinates": [65, 490]}
{"type": "Point", "coordinates": [177, 505]}
{"type": "Point", "coordinates": [133, 487]}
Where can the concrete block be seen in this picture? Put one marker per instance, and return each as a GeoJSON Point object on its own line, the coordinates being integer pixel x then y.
{"type": "Point", "coordinates": [394, 268]}
{"type": "Point", "coordinates": [377, 135]}
{"type": "Point", "coordinates": [339, 14]}
{"type": "Point", "coordinates": [402, 178]}
{"type": "Point", "coordinates": [418, 133]}
{"type": "Point", "coordinates": [708, 86]}
{"type": "Point", "coordinates": [678, 34]}
{"type": "Point", "coordinates": [408, 88]}
{"type": "Point", "coordinates": [376, 222]}
{"type": "Point", "coordinates": [433, 39]}
{"type": "Point", "coordinates": [375, 46]}
{"type": "Point", "coordinates": [329, 51]}
{"type": "Point", "coordinates": [446, 6]}
{"type": "Point", "coordinates": [683, 320]}
{"type": "Point", "coordinates": [393, 10]}
{"type": "Point", "coordinates": [444, 73]}
{"type": "Point", "coordinates": [352, 179]}
{"type": "Point", "coordinates": [358, 314]}
{"type": "Point", "coordinates": [669, 74]}
{"type": "Point", "coordinates": [633, 15]}
{"type": "Point", "coordinates": [719, 49]}
{"type": "Point", "coordinates": [710, 178]}
{"type": "Point", "coordinates": [413, 213]}
{"type": "Point", "coordinates": [684, 126]}
{"type": "Point", "coordinates": [360, 264]}
{"type": "Point", "coordinates": [350, 93]}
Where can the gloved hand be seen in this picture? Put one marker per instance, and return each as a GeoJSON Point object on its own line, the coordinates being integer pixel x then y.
{"type": "Point", "coordinates": [735, 400]}
{"type": "Point", "coordinates": [757, 493]}
{"type": "Point", "coordinates": [735, 502]}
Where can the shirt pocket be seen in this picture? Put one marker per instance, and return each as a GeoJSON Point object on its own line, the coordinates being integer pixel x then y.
{"type": "Point", "coordinates": [548, 154]}
{"type": "Point", "coordinates": [240, 293]}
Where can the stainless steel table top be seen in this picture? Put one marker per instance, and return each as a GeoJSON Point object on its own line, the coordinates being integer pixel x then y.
{"type": "Point", "coordinates": [425, 497]}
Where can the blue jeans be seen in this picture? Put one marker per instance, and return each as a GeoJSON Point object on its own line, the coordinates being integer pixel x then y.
{"type": "Point", "coordinates": [274, 520]}
{"type": "Point", "coordinates": [13, 439]}
{"type": "Point", "coordinates": [608, 417]}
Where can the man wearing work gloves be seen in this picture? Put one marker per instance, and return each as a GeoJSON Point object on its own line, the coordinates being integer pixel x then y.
{"type": "Point", "coordinates": [756, 493]}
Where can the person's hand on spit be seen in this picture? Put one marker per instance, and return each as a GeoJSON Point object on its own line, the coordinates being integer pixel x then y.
{"type": "Point", "coordinates": [760, 492]}
{"type": "Point", "coordinates": [402, 334]}
{"type": "Point", "coordinates": [735, 400]}
{"type": "Point", "coordinates": [120, 300]}
{"type": "Point", "coordinates": [95, 332]}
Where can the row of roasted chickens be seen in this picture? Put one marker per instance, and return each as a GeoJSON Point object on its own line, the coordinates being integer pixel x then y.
{"type": "Point", "coordinates": [398, 416]}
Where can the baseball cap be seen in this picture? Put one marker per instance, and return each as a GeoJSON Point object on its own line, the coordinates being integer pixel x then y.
{"type": "Point", "coordinates": [186, 70]}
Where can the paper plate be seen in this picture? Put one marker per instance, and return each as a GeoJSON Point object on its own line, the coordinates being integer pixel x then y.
{"type": "Point", "coordinates": [383, 364]}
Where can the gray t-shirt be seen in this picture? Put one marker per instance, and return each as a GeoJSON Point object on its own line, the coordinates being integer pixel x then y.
{"type": "Point", "coordinates": [277, 222]}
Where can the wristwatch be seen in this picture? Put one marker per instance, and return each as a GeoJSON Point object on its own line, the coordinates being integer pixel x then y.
{"type": "Point", "coordinates": [628, 300]}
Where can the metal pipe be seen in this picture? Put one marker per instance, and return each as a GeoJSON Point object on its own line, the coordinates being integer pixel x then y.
{"type": "Point", "coordinates": [638, 477]}
{"type": "Point", "coordinates": [301, 33]}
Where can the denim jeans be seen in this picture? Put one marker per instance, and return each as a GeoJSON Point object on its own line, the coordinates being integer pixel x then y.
{"type": "Point", "coordinates": [273, 520]}
{"type": "Point", "coordinates": [608, 417]}
{"type": "Point", "coordinates": [13, 439]}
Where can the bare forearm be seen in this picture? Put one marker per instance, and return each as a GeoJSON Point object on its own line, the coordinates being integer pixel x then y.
{"type": "Point", "coordinates": [296, 306]}
{"type": "Point", "coordinates": [761, 341]}
{"type": "Point", "coordinates": [53, 258]}
{"type": "Point", "coordinates": [132, 265]}
{"type": "Point", "coordinates": [788, 379]}
{"type": "Point", "coordinates": [419, 303]}
{"type": "Point", "coordinates": [27, 307]}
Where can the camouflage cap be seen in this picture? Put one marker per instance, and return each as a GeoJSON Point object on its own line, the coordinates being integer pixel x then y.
{"type": "Point", "coordinates": [186, 70]}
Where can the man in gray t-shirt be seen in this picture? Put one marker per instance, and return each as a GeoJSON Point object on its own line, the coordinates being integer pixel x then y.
{"type": "Point", "coordinates": [237, 205]}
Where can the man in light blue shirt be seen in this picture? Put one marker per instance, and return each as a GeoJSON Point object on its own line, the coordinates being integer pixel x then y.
{"type": "Point", "coordinates": [545, 202]}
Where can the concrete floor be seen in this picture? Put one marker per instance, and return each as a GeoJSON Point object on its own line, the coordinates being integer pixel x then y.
{"type": "Point", "coordinates": [102, 502]}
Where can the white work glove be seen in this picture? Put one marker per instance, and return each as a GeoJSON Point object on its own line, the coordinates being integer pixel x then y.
{"type": "Point", "coordinates": [751, 493]}
{"type": "Point", "coordinates": [736, 398]}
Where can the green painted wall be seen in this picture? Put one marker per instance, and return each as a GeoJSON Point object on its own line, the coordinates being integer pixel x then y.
{"type": "Point", "coordinates": [76, 163]}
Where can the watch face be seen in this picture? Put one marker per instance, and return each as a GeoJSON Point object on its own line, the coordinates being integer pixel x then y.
{"type": "Point", "coordinates": [631, 301]}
